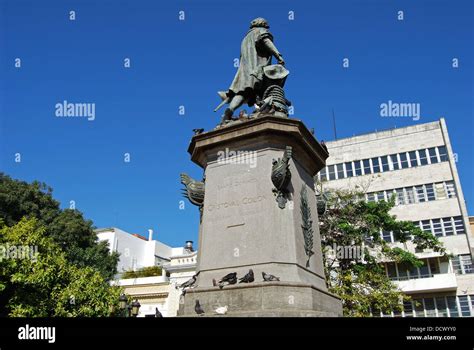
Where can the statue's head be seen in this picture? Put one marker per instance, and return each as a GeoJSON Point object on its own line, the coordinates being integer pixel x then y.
{"type": "Point", "coordinates": [259, 22]}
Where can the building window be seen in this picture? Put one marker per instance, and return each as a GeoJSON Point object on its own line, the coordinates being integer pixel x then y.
{"type": "Point", "coordinates": [410, 195]}
{"type": "Point", "coordinates": [425, 270]}
{"type": "Point", "coordinates": [366, 163]}
{"type": "Point", "coordinates": [402, 271]}
{"type": "Point", "coordinates": [419, 307]}
{"type": "Point", "coordinates": [430, 193]}
{"type": "Point", "coordinates": [387, 163]}
{"type": "Point", "coordinates": [400, 199]}
{"type": "Point", "coordinates": [434, 266]}
{"type": "Point", "coordinates": [433, 155]}
{"type": "Point", "coordinates": [462, 264]}
{"type": "Point", "coordinates": [448, 227]}
{"type": "Point", "coordinates": [430, 307]}
{"type": "Point", "coordinates": [450, 189]}
{"type": "Point", "coordinates": [391, 271]}
{"type": "Point", "coordinates": [349, 171]}
{"type": "Point", "coordinates": [394, 160]}
{"type": "Point", "coordinates": [387, 236]}
{"type": "Point", "coordinates": [389, 194]}
{"type": "Point", "coordinates": [459, 225]}
{"type": "Point", "coordinates": [380, 196]}
{"type": "Point", "coordinates": [370, 197]}
{"type": "Point", "coordinates": [404, 160]}
{"type": "Point", "coordinates": [408, 308]}
{"type": "Point", "coordinates": [437, 227]}
{"type": "Point", "coordinates": [457, 267]}
{"type": "Point", "coordinates": [358, 170]}
{"type": "Point", "coordinates": [423, 158]}
{"type": "Point", "coordinates": [426, 226]}
{"type": "Point", "coordinates": [397, 313]}
{"type": "Point", "coordinates": [413, 159]}
{"type": "Point", "coordinates": [331, 172]}
{"type": "Point", "coordinates": [442, 307]}
{"type": "Point", "coordinates": [414, 273]}
{"type": "Point", "coordinates": [452, 306]}
{"type": "Point", "coordinates": [420, 194]}
{"type": "Point", "coordinates": [466, 262]}
{"type": "Point", "coordinates": [323, 175]}
{"type": "Point", "coordinates": [443, 227]}
{"type": "Point", "coordinates": [385, 166]}
{"type": "Point", "coordinates": [340, 171]}
{"type": "Point", "coordinates": [443, 153]}
{"type": "Point", "coordinates": [375, 311]}
{"type": "Point", "coordinates": [376, 165]}
{"type": "Point", "coordinates": [464, 305]}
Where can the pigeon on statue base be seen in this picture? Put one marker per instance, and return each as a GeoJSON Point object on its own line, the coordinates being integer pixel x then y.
{"type": "Point", "coordinates": [191, 283]}
{"type": "Point", "coordinates": [198, 308]}
{"type": "Point", "coordinates": [230, 278]}
{"type": "Point", "coordinates": [268, 278]}
{"type": "Point", "coordinates": [248, 278]}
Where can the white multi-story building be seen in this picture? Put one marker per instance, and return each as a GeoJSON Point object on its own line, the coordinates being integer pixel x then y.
{"type": "Point", "coordinates": [418, 166]}
{"type": "Point", "coordinates": [181, 268]}
{"type": "Point", "coordinates": [136, 252]}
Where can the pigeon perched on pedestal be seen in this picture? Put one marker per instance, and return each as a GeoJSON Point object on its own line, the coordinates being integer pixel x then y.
{"type": "Point", "coordinates": [198, 131]}
{"type": "Point", "coordinates": [198, 308]}
{"type": "Point", "coordinates": [248, 278]}
{"type": "Point", "coordinates": [158, 313]}
{"type": "Point", "coordinates": [189, 283]}
{"type": "Point", "coordinates": [230, 278]}
{"type": "Point", "coordinates": [267, 277]}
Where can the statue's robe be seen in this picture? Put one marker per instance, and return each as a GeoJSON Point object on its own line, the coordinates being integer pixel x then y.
{"type": "Point", "coordinates": [253, 57]}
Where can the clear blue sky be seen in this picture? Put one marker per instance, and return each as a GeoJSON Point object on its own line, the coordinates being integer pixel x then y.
{"type": "Point", "coordinates": [177, 63]}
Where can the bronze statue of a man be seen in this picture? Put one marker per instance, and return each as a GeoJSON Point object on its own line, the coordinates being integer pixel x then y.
{"type": "Point", "coordinates": [256, 52]}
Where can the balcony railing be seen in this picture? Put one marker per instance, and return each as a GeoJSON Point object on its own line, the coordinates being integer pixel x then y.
{"type": "Point", "coordinates": [437, 282]}
{"type": "Point", "coordinates": [406, 278]}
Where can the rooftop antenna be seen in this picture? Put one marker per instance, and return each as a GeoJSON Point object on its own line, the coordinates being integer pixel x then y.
{"type": "Point", "coordinates": [334, 124]}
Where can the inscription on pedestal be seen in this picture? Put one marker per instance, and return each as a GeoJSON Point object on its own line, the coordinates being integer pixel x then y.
{"type": "Point", "coordinates": [237, 203]}
{"type": "Point", "coordinates": [236, 182]}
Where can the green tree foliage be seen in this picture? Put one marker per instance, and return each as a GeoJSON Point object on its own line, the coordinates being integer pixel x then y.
{"type": "Point", "coordinates": [350, 221]}
{"type": "Point", "coordinates": [143, 272]}
{"type": "Point", "coordinates": [67, 228]}
{"type": "Point", "coordinates": [19, 199]}
{"type": "Point", "coordinates": [43, 283]}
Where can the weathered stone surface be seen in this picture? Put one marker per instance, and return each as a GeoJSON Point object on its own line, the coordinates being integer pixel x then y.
{"type": "Point", "coordinates": [272, 299]}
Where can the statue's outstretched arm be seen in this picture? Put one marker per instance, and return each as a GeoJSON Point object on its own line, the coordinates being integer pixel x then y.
{"type": "Point", "coordinates": [272, 48]}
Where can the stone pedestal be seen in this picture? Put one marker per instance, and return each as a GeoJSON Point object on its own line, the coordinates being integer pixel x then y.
{"type": "Point", "coordinates": [244, 228]}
